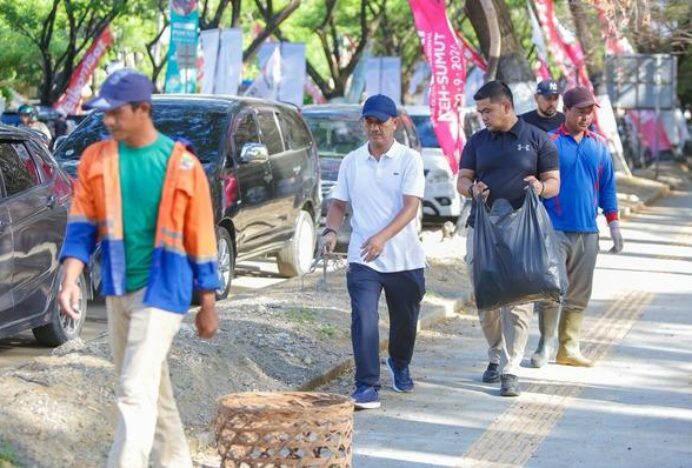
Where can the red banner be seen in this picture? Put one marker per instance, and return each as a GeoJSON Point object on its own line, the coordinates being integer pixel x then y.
{"type": "Point", "coordinates": [564, 47]}
{"type": "Point", "coordinates": [69, 101]}
{"type": "Point", "coordinates": [445, 56]}
{"type": "Point", "coordinates": [616, 43]}
{"type": "Point", "coordinates": [472, 54]}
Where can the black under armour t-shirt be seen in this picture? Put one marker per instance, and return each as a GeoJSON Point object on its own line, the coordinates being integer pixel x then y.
{"type": "Point", "coordinates": [547, 124]}
{"type": "Point", "coordinates": [501, 160]}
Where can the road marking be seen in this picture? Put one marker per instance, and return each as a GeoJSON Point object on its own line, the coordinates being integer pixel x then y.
{"type": "Point", "coordinates": [515, 435]}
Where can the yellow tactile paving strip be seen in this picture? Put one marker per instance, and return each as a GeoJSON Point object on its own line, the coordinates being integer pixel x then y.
{"type": "Point", "coordinates": [513, 437]}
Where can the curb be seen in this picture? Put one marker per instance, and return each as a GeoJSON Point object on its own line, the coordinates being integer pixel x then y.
{"type": "Point", "coordinates": [439, 313]}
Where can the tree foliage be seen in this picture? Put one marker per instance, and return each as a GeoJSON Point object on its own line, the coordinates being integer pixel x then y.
{"type": "Point", "coordinates": [43, 40]}
{"type": "Point", "coordinates": [59, 30]}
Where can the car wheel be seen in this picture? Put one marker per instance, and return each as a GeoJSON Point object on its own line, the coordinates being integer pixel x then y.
{"type": "Point", "coordinates": [296, 258]}
{"type": "Point", "coordinates": [63, 328]}
{"type": "Point", "coordinates": [226, 262]}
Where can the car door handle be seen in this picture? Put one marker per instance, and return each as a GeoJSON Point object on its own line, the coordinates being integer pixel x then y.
{"type": "Point", "coordinates": [296, 170]}
{"type": "Point", "coordinates": [50, 201]}
{"type": "Point", "coordinates": [268, 178]}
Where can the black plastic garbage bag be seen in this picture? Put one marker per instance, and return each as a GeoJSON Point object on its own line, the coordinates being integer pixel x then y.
{"type": "Point", "coordinates": [516, 257]}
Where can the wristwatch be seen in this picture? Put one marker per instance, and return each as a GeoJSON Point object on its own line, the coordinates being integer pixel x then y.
{"type": "Point", "coordinates": [327, 231]}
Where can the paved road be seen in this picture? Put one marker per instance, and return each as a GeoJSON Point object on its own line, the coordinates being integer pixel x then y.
{"type": "Point", "coordinates": [633, 409]}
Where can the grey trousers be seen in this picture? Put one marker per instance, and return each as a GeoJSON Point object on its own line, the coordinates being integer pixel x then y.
{"type": "Point", "coordinates": [579, 252]}
{"type": "Point", "coordinates": [506, 329]}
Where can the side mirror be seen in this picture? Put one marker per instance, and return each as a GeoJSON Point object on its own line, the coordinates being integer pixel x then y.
{"type": "Point", "coordinates": [254, 152]}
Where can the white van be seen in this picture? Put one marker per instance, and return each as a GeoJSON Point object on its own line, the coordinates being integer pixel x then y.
{"type": "Point", "coordinates": [441, 197]}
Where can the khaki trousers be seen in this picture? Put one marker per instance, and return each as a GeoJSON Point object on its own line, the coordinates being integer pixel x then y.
{"type": "Point", "coordinates": [579, 252]}
{"type": "Point", "coordinates": [506, 329]}
{"type": "Point", "coordinates": [147, 416]}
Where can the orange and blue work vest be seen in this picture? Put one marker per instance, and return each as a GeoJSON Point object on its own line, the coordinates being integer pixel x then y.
{"type": "Point", "coordinates": [184, 255]}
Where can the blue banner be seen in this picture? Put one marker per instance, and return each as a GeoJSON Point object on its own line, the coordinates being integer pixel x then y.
{"type": "Point", "coordinates": [181, 72]}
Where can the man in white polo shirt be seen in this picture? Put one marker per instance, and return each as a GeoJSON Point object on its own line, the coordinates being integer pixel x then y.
{"type": "Point", "coordinates": [384, 182]}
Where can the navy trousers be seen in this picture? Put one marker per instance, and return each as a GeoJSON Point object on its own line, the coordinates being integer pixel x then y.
{"type": "Point", "coordinates": [403, 291]}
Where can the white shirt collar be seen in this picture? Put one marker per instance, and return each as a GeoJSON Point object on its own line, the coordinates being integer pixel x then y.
{"type": "Point", "coordinates": [392, 153]}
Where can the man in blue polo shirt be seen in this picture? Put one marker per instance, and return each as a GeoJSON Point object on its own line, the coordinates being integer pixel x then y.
{"type": "Point", "coordinates": [384, 182]}
{"type": "Point", "coordinates": [499, 162]}
{"type": "Point", "coordinates": [587, 184]}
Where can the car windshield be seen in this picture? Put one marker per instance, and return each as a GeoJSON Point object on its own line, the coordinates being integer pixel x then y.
{"type": "Point", "coordinates": [425, 131]}
{"type": "Point", "coordinates": [202, 126]}
{"type": "Point", "coordinates": [335, 135]}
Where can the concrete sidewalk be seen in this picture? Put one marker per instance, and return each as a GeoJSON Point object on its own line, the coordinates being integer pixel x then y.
{"type": "Point", "coordinates": [633, 409]}
{"type": "Point", "coordinates": [634, 194]}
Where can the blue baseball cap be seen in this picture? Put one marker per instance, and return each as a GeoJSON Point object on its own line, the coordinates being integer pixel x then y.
{"type": "Point", "coordinates": [548, 88]}
{"type": "Point", "coordinates": [380, 107]}
{"type": "Point", "coordinates": [121, 87]}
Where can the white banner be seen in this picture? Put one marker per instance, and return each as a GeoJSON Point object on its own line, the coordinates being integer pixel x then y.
{"type": "Point", "coordinates": [266, 83]}
{"type": "Point", "coordinates": [293, 72]}
{"type": "Point", "coordinates": [383, 76]}
{"type": "Point", "coordinates": [229, 65]}
{"type": "Point", "coordinates": [210, 50]}
{"type": "Point", "coordinates": [283, 72]}
{"type": "Point", "coordinates": [356, 85]}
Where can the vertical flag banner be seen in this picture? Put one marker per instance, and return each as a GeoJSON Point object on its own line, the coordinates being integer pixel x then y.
{"type": "Point", "coordinates": [471, 53]}
{"type": "Point", "coordinates": [541, 69]}
{"type": "Point", "coordinates": [383, 76]}
{"type": "Point", "coordinates": [357, 84]}
{"type": "Point", "coordinates": [547, 20]}
{"type": "Point", "coordinates": [293, 72]}
{"type": "Point", "coordinates": [229, 63]}
{"type": "Point", "coordinates": [210, 50]}
{"type": "Point", "coordinates": [266, 84]}
{"type": "Point", "coordinates": [181, 72]}
{"type": "Point", "coordinates": [69, 101]}
{"type": "Point", "coordinates": [565, 47]}
{"type": "Point", "coordinates": [445, 56]}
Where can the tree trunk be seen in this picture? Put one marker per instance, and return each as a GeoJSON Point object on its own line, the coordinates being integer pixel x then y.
{"type": "Point", "coordinates": [594, 66]}
{"type": "Point", "coordinates": [512, 64]}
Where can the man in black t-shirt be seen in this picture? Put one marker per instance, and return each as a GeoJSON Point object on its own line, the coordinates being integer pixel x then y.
{"type": "Point", "coordinates": [499, 162]}
{"type": "Point", "coordinates": [546, 116]}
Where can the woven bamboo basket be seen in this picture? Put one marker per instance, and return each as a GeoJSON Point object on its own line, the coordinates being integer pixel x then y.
{"type": "Point", "coordinates": [272, 430]}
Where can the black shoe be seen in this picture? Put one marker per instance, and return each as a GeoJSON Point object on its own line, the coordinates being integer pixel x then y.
{"type": "Point", "coordinates": [510, 385]}
{"type": "Point", "coordinates": [492, 373]}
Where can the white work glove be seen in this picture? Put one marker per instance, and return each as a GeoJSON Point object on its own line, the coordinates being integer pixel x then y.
{"type": "Point", "coordinates": [616, 235]}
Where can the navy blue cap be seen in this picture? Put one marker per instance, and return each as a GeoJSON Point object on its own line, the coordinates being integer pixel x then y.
{"type": "Point", "coordinates": [379, 106]}
{"type": "Point", "coordinates": [122, 87]}
{"type": "Point", "coordinates": [548, 88]}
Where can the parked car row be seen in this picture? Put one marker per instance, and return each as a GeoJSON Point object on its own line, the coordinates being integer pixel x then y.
{"type": "Point", "coordinates": [271, 167]}
{"type": "Point", "coordinates": [34, 198]}
{"type": "Point", "coordinates": [263, 173]}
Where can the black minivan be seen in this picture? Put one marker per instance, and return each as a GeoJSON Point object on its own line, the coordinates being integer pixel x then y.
{"type": "Point", "coordinates": [263, 173]}
{"type": "Point", "coordinates": [34, 198]}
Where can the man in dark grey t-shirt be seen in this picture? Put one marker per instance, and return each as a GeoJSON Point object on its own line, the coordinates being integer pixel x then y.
{"type": "Point", "coordinates": [546, 116]}
{"type": "Point", "coordinates": [499, 162]}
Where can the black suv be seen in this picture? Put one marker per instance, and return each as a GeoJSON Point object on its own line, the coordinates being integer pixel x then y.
{"type": "Point", "coordinates": [263, 172]}
{"type": "Point", "coordinates": [34, 196]}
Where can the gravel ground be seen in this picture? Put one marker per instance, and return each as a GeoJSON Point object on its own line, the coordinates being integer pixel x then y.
{"type": "Point", "coordinates": [56, 411]}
